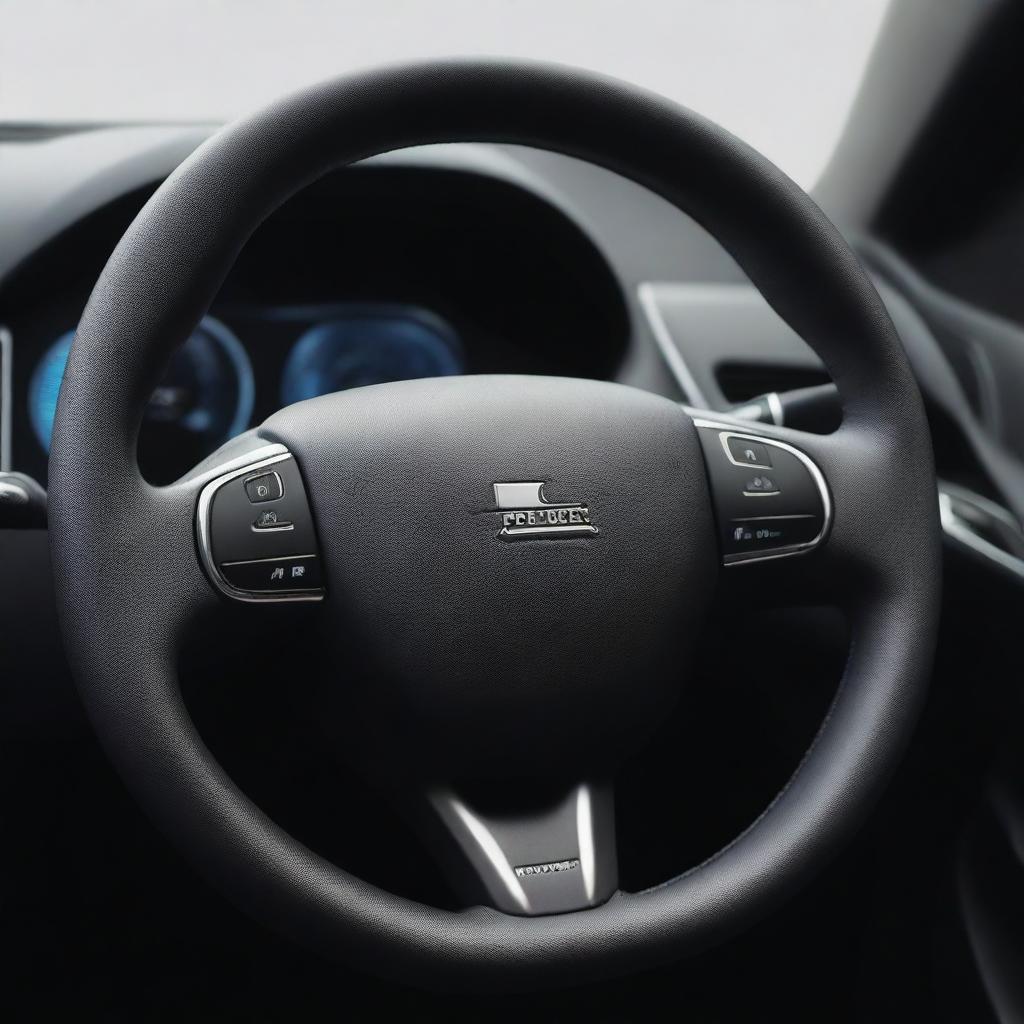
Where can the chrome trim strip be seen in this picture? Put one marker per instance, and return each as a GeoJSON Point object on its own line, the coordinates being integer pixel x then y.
{"type": "Point", "coordinates": [585, 841]}
{"type": "Point", "coordinates": [239, 461]}
{"type": "Point", "coordinates": [535, 531]}
{"type": "Point", "coordinates": [221, 475]}
{"type": "Point", "coordinates": [692, 393]}
{"type": "Point", "coordinates": [259, 561]}
{"type": "Point", "coordinates": [6, 371]}
{"type": "Point", "coordinates": [491, 849]}
{"type": "Point", "coordinates": [745, 557]}
{"type": "Point", "coordinates": [775, 408]}
{"type": "Point", "coordinates": [761, 519]}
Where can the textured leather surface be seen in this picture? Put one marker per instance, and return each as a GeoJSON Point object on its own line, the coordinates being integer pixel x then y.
{"type": "Point", "coordinates": [484, 656]}
{"type": "Point", "coordinates": [129, 581]}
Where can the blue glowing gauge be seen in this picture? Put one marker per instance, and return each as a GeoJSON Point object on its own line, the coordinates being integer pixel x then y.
{"type": "Point", "coordinates": [369, 346]}
{"type": "Point", "coordinates": [205, 397]}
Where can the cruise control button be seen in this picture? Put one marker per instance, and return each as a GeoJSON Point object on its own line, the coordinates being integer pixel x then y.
{"type": "Point", "coordinates": [760, 485]}
{"type": "Point", "coordinates": [748, 453]}
{"type": "Point", "coordinates": [264, 487]}
{"type": "Point", "coordinates": [270, 520]}
{"type": "Point", "coordinates": [301, 572]}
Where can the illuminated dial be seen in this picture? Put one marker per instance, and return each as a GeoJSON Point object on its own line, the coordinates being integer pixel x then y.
{"type": "Point", "coordinates": [205, 397]}
{"type": "Point", "coordinates": [372, 346]}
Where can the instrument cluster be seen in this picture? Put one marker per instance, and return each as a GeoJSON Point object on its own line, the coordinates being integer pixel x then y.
{"type": "Point", "coordinates": [368, 276]}
{"type": "Point", "coordinates": [209, 392]}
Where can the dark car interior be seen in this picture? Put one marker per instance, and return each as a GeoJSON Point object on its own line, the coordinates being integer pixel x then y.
{"type": "Point", "coordinates": [517, 304]}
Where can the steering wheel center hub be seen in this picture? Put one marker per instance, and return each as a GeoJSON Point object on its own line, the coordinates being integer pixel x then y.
{"type": "Point", "coordinates": [516, 559]}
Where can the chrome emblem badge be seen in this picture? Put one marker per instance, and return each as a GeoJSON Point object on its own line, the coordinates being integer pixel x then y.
{"type": "Point", "coordinates": [526, 513]}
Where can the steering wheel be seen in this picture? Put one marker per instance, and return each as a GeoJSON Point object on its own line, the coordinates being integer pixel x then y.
{"type": "Point", "coordinates": [522, 562]}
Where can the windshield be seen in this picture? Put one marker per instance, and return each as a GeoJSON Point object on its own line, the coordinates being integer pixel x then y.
{"type": "Point", "coordinates": [781, 75]}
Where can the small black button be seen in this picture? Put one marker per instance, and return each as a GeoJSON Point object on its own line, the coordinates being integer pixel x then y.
{"type": "Point", "coordinates": [270, 520]}
{"type": "Point", "coordinates": [749, 453]}
{"type": "Point", "coordinates": [760, 485]}
{"type": "Point", "coordinates": [265, 487]}
{"type": "Point", "coordinates": [301, 572]}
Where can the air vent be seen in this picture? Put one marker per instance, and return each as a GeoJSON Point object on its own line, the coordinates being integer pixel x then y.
{"type": "Point", "coordinates": [740, 382]}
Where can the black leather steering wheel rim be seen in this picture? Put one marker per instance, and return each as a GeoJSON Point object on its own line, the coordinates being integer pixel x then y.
{"type": "Point", "coordinates": [123, 610]}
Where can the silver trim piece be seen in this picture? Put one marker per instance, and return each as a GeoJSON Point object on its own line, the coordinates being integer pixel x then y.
{"type": "Point", "coordinates": [691, 390]}
{"type": "Point", "coordinates": [222, 475]}
{"type": "Point", "coordinates": [282, 528]}
{"type": "Point", "coordinates": [956, 528]}
{"type": "Point", "coordinates": [239, 461]}
{"type": "Point", "coordinates": [761, 519]}
{"type": "Point", "coordinates": [745, 557]}
{"type": "Point", "coordinates": [6, 371]}
{"type": "Point", "coordinates": [268, 561]}
{"type": "Point", "coordinates": [775, 408]}
{"type": "Point", "coordinates": [585, 841]}
{"type": "Point", "coordinates": [491, 849]}
{"type": "Point", "coordinates": [510, 854]}
{"type": "Point", "coordinates": [540, 531]}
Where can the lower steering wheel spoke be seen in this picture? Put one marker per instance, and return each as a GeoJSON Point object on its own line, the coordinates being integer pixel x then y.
{"type": "Point", "coordinates": [542, 857]}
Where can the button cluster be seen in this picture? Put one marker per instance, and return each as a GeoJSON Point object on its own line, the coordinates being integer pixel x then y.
{"type": "Point", "coordinates": [260, 533]}
{"type": "Point", "coordinates": [299, 573]}
{"type": "Point", "coordinates": [767, 500]}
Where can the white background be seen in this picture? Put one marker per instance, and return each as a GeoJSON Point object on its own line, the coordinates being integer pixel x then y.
{"type": "Point", "coordinates": [779, 73]}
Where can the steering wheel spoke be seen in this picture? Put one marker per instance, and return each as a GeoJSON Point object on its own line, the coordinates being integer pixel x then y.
{"type": "Point", "coordinates": [542, 857]}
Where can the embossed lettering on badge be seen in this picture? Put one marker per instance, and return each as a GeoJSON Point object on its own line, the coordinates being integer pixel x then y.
{"type": "Point", "coordinates": [526, 513]}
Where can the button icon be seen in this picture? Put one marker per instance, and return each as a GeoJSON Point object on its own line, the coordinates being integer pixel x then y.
{"type": "Point", "coordinates": [270, 520]}
{"type": "Point", "coordinates": [760, 485]}
{"type": "Point", "coordinates": [289, 572]}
